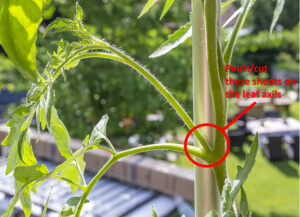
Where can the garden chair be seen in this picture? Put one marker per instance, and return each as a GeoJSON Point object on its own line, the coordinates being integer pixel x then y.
{"type": "Point", "coordinates": [271, 147]}
{"type": "Point", "coordinates": [292, 147]}
{"type": "Point", "coordinates": [237, 137]}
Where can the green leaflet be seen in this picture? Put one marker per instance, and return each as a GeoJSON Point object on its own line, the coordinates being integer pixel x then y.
{"type": "Point", "coordinates": [237, 27]}
{"type": "Point", "coordinates": [168, 4]}
{"type": "Point", "coordinates": [74, 172]}
{"type": "Point", "coordinates": [12, 139]}
{"type": "Point", "coordinates": [228, 2]}
{"type": "Point", "coordinates": [30, 173]}
{"type": "Point", "coordinates": [154, 214]}
{"type": "Point", "coordinates": [225, 205]}
{"type": "Point", "coordinates": [42, 115]}
{"type": "Point", "coordinates": [86, 140]}
{"type": "Point", "coordinates": [73, 201]}
{"type": "Point", "coordinates": [175, 39]}
{"type": "Point", "coordinates": [67, 212]}
{"type": "Point", "coordinates": [147, 6]}
{"type": "Point", "coordinates": [69, 206]}
{"type": "Point", "coordinates": [234, 15]}
{"type": "Point", "coordinates": [38, 123]}
{"type": "Point", "coordinates": [212, 213]}
{"type": "Point", "coordinates": [34, 93]}
{"type": "Point", "coordinates": [228, 214]}
{"type": "Point", "coordinates": [24, 109]}
{"type": "Point", "coordinates": [277, 12]}
{"type": "Point", "coordinates": [99, 131]}
{"type": "Point", "coordinates": [244, 172]}
{"type": "Point", "coordinates": [45, 108]}
{"type": "Point", "coordinates": [28, 120]}
{"type": "Point", "coordinates": [19, 22]}
{"type": "Point", "coordinates": [79, 12]}
{"type": "Point", "coordinates": [25, 198]}
{"type": "Point", "coordinates": [25, 151]}
{"type": "Point", "coordinates": [49, 103]}
{"type": "Point", "coordinates": [61, 25]}
{"type": "Point", "coordinates": [243, 203]}
{"type": "Point", "coordinates": [46, 205]}
{"type": "Point", "coordinates": [15, 125]}
{"type": "Point", "coordinates": [60, 134]}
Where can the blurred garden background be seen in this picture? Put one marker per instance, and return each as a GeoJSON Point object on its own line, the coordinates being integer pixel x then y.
{"type": "Point", "coordinates": [137, 113]}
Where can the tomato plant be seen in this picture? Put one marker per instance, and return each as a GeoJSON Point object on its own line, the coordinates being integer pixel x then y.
{"type": "Point", "coordinates": [40, 100]}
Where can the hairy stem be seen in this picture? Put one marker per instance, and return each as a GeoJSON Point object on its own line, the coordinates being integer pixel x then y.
{"type": "Point", "coordinates": [120, 57]}
{"type": "Point", "coordinates": [166, 146]}
{"type": "Point", "coordinates": [69, 181]}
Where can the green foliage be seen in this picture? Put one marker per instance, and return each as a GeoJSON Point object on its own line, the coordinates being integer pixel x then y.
{"type": "Point", "coordinates": [237, 27]}
{"type": "Point", "coordinates": [277, 12]}
{"type": "Point", "coordinates": [30, 173]}
{"type": "Point", "coordinates": [244, 172]}
{"type": "Point", "coordinates": [212, 213]}
{"type": "Point", "coordinates": [226, 3]}
{"type": "Point", "coordinates": [19, 21]}
{"type": "Point", "coordinates": [40, 99]}
{"type": "Point", "coordinates": [25, 198]}
{"type": "Point", "coordinates": [230, 191]}
{"type": "Point", "coordinates": [175, 39]}
{"type": "Point", "coordinates": [150, 3]}
{"type": "Point", "coordinates": [263, 14]}
{"type": "Point", "coordinates": [244, 204]}
{"type": "Point", "coordinates": [99, 131]}
{"type": "Point", "coordinates": [281, 49]}
{"type": "Point", "coordinates": [154, 214]}
{"type": "Point", "coordinates": [60, 133]}
{"type": "Point", "coordinates": [74, 172]}
{"type": "Point", "coordinates": [69, 206]}
{"type": "Point", "coordinates": [100, 84]}
{"type": "Point", "coordinates": [168, 4]}
{"type": "Point", "coordinates": [46, 204]}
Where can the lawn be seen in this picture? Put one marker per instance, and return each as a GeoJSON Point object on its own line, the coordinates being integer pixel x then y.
{"type": "Point", "coordinates": [272, 187]}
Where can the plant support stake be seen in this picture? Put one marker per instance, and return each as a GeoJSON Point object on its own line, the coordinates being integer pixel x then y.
{"type": "Point", "coordinates": [206, 192]}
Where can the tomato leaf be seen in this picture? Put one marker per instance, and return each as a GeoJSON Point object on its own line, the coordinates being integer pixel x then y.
{"type": "Point", "coordinates": [244, 172]}
{"type": "Point", "coordinates": [225, 205]}
{"type": "Point", "coordinates": [243, 203]}
{"type": "Point", "coordinates": [60, 134]}
{"type": "Point", "coordinates": [277, 12]}
{"type": "Point", "coordinates": [154, 214]}
{"type": "Point", "coordinates": [228, 2]}
{"type": "Point", "coordinates": [212, 213]}
{"type": "Point", "coordinates": [74, 172]}
{"type": "Point", "coordinates": [236, 29]}
{"type": "Point", "coordinates": [79, 12]}
{"type": "Point", "coordinates": [73, 201]}
{"type": "Point", "coordinates": [25, 151]}
{"type": "Point", "coordinates": [167, 6]}
{"type": "Point", "coordinates": [25, 198]}
{"type": "Point", "coordinates": [147, 6]}
{"type": "Point", "coordinates": [69, 206]}
{"type": "Point", "coordinates": [175, 39]}
{"type": "Point", "coordinates": [46, 205]}
{"type": "Point", "coordinates": [12, 139]}
{"type": "Point", "coordinates": [19, 22]}
{"type": "Point", "coordinates": [228, 214]}
{"type": "Point", "coordinates": [99, 131]}
{"type": "Point", "coordinates": [30, 173]}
